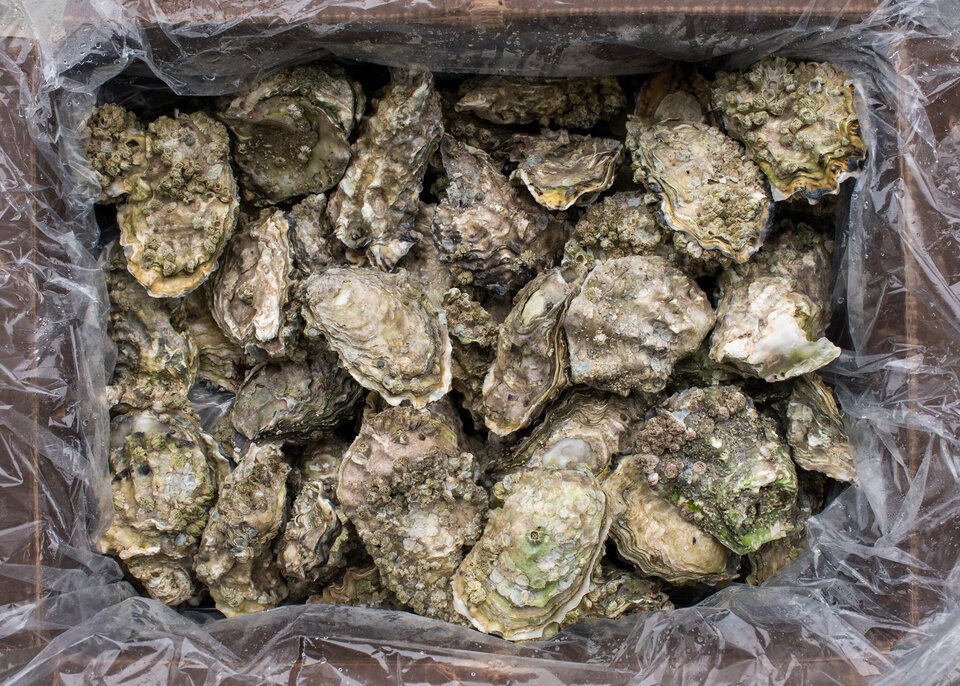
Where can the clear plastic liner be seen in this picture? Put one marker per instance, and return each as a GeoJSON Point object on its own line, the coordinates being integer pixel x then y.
{"type": "Point", "coordinates": [876, 598]}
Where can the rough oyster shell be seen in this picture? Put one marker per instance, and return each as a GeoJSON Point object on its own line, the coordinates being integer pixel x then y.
{"type": "Point", "coordinates": [388, 334]}
{"type": "Point", "coordinates": [314, 245]}
{"type": "Point", "coordinates": [650, 532]}
{"type": "Point", "coordinates": [615, 592]}
{"type": "Point", "coordinates": [472, 130]}
{"type": "Point", "coordinates": [235, 559]}
{"type": "Point", "coordinates": [535, 560]}
{"type": "Point", "coordinates": [222, 362]}
{"type": "Point", "coordinates": [413, 497]}
{"type": "Point", "coordinates": [423, 263]}
{"type": "Point", "coordinates": [633, 318]}
{"type": "Point", "coordinates": [723, 465]}
{"type": "Point", "coordinates": [569, 103]}
{"type": "Point", "coordinates": [116, 149]}
{"type": "Point", "coordinates": [165, 472]}
{"type": "Point", "coordinates": [492, 235]}
{"type": "Point", "coordinates": [798, 121]}
{"type": "Point", "coordinates": [678, 93]}
{"type": "Point", "coordinates": [815, 430]}
{"type": "Point", "coordinates": [375, 205]}
{"type": "Point", "coordinates": [709, 189]}
{"type": "Point", "coordinates": [562, 169]}
{"type": "Point", "coordinates": [360, 587]}
{"type": "Point", "coordinates": [291, 131]}
{"type": "Point", "coordinates": [473, 339]}
{"type": "Point", "coordinates": [530, 367]}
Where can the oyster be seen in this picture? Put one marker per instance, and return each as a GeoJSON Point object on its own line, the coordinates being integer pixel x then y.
{"type": "Point", "coordinates": [815, 430]}
{"type": "Point", "coordinates": [723, 465]}
{"type": "Point", "coordinates": [679, 93]}
{"type": "Point", "coordinates": [534, 563]}
{"type": "Point", "coordinates": [633, 318]}
{"type": "Point", "coordinates": [165, 472]}
{"type": "Point", "coordinates": [491, 235]}
{"type": "Point", "coordinates": [221, 361]}
{"type": "Point", "coordinates": [651, 533]}
{"type": "Point", "coordinates": [771, 557]}
{"type": "Point", "coordinates": [562, 169]}
{"type": "Point", "coordinates": [530, 367]}
{"type": "Point", "coordinates": [375, 205]}
{"type": "Point", "coordinates": [798, 122]}
{"type": "Point", "coordinates": [314, 245]}
{"type": "Point", "coordinates": [570, 103]}
{"type": "Point", "coordinates": [423, 263]}
{"type": "Point", "coordinates": [116, 150]}
{"type": "Point", "coordinates": [235, 559]}
{"type": "Point", "coordinates": [291, 131]}
{"type": "Point", "coordinates": [473, 338]}
{"type": "Point", "coordinates": [615, 592]}
{"type": "Point", "coordinates": [252, 289]}
{"type": "Point", "coordinates": [388, 334]}
{"type": "Point", "coordinates": [360, 587]}
{"type": "Point", "coordinates": [472, 130]}
{"type": "Point", "coordinates": [412, 495]}
{"type": "Point", "coordinates": [708, 188]}
{"type": "Point", "coordinates": [295, 401]}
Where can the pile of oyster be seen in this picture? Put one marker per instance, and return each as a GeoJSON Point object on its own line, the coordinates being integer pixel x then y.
{"type": "Point", "coordinates": [493, 350]}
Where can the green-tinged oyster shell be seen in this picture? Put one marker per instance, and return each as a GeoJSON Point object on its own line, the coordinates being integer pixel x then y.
{"type": "Point", "coordinates": [165, 472]}
{"type": "Point", "coordinates": [534, 563]}
{"type": "Point", "coordinates": [236, 559]}
{"type": "Point", "coordinates": [815, 431]}
{"type": "Point", "coordinates": [798, 121]}
{"type": "Point", "coordinates": [374, 207]}
{"type": "Point", "coordinates": [616, 592]}
{"type": "Point", "coordinates": [291, 131]}
{"type": "Point", "coordinates": [388, 334]}
{"type": "Point", "coordinates": [412, 494]}
{"type": "Point", "coordinates": [360, 587]}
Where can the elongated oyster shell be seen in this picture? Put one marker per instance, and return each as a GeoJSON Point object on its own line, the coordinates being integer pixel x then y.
{"type": "Point", "coordinates": [412, 495]}
{"type": "Point", "coordinates": [530, 367]}
{"type": "Point", "coordinates": [235, 559]}
{"type": "Point", "coordinates": [314, 245]}
{"type": "Point", "coordinates": [492, 235]}
{"type": "Point", "coordinates": [709, 189]}
{"type": "Point", "coordinates": [360, 587]}
{"type": "Point", "coordinates": [632, 320]}
{"type": "Point", "coordinates": [165, 472]}
{"type": "Point", "coordinates": [798, 121]}
{"type": "Point", "coordinates": [616, 592]}
{"type": "Point", "coordinates": [375, 205]}
{"type": "Point", "coordinates": [222, 362]}
{"type": "Point", "coordinates": [423, 263]}
{"type": "Point", "coordinates": [291, 131]}
{"type": "Point", "coordinates": [117, 150]}
{"type": "Point", "coordinates": [651, 533]}
{"type": "Point", "coordinates": [570, 103]}
{"type": "Point", "coordinates": [388, 334]}
{"type": "Point", "coordinates": [815, 430]}
{"type": "Point", "coordinates": [562, 169]}
{"type": "Point", "coordinates": [473, 339]}
{"type": "Point", "coordinates": [295, 401]}
{"type": "Point", "coordinates": [534, 562]}
{"type": "Point", "coordinates": [723, 465]}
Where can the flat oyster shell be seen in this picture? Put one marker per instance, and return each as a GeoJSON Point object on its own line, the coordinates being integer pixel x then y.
{"type": "Point", "coordinates": [632, 320]}
{"type": "Point", "coordinates": [530, 367]}
{"type": "Point", "coordinates": [798, 121]}
{"type": "Point", "coordinates": [222, 363]}
{"type": "Point", "coordinates": [291, 131]}
{"type": "Point", "coordinates": [615, 592]}
{"type": "Point", "coordinates": [651, 533]}
{"type": "Point", "coordinates": [412, 495]}
{"type": "Point", "coordinates": [295, 401]}
{"type": "Point", "coordinates": [493, 236]}
{"type": "Point", "coordinates": [375, 205]}
{"type": "Point", "coordinates": [359, 587]}
{"type": "Point", "coordinates": [315, 246]}
{"type": "Point", "coordinates": [235, 559]}
{"type": "Point", "coordinates": [723, 465]}
{"type": "Point", "coordinates": [165, 472]}
{"type": "Point", "coordinates": [561, 169]}
{"type": "Point", "coordinates": [534, 563]}
{"type": "Point", "coordinates": [569, 103]}
{"type": "Point", "coordinates": [815, 431]}
{"type": "Point", "coordinates": [253, 287]}
{"type": "Point", "coordinates": [709, 189]}
{"type": "Point", "coordinates": [388, 334]}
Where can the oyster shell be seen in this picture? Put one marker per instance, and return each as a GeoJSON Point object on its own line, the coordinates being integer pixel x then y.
{"type": "Point", "coordinates": [615, 592]}
{"type": "Point", "coordinates": [360, 587]}
{"type": "Point", "coordinates": [472, 130]}
{"type": "Point", "coordinates": [723, 465]}
{"type": "Point", "coordinates": [314, 245]}
{"type": "Point", "coordinates": [651, 533]}
{"type": "Point", "coordinates": [388, 334]}
{"type": "Point", "coordinates": [423, 263]}
{"type": "Point", "coordinates": [797, 120]}
{"type": "Point", "coordinates": [222, 362]}
{"type": "Point", "coordinates": [534, 563]}
{"type": "Point", "coordinates": [679, 93]}
{"type": "Point", "coordinates": [412, 495]}
{"type": "Point", "coordinates": [771, 557]}
{"type": "Point", "coordinates": [492, 235]}
{"type": "Point", "coordinates": [291, 131]}
{"type": "Point", "coordinates": [633, 318]}
{"type": "Point", "coordinates": [569, 103]}
{"type": "Point", "coordinates": [165, 472]}
{"type": "Point", "coordinates": [562, 169]}
{"type": "Point", "coordinates": [375, 205]}
{"type": "Point", "coordinates": [815, 430]}
{"type": "Point", "coordinates": [709, 189]}
{"type": "Point", "coordinates": [473, 339]}
{"type": "Point", "coordinates": [235, 559]}
{"type": "Point", "coordinates": [116, 149]}
{"type": "Point", "coordinates": [295, 401]}
{"type": "Point", "coordinates": [530, 367]}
